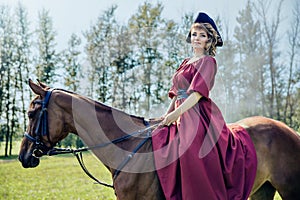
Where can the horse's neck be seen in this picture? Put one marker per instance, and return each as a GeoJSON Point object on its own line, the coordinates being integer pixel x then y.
{"type": "Point", "coordinates": [96, 124]}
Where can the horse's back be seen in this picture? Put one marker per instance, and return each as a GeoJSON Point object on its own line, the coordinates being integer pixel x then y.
{"type": "Point", "coordinates": [278, 152]}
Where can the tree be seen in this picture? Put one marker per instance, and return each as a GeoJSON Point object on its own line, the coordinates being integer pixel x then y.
{"type": "Point", "coordinates": [270, 36]}
{"type": "Point", "coordinates": [8, 81]}
{"type": "Point", "coordinates": [71, 64]}
{"type": "Point", "coordinates": [296, 115]}
{"type": "Point", "coordinates": [72, 75]}
{"type": "Point", "coordinates": [23, 59]}
{"type": "Point", "coordinates": [100, 54]}
{"type": "Point", "coordinates": [174, 50]}
{"type": "Point", "coordinates": [251, 61]}
{"type": "Point", "coordinates": [146, 26]}
{"type": "Point", "coordinates": [291, 100]}
{"type": "Point", "coordinates": [185, 50]}
{"type": "Point", "coordinates": [225, 88]}
{"type": "Point", "coordinates": [124, 62]}
{"type": "Point", "coordinates": [47, 58]}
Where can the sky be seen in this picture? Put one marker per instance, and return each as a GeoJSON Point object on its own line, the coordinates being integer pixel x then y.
{"type": "Point", "coordinates": [76, 16]}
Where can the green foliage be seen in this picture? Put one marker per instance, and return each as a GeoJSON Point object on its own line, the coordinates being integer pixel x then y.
{"type": "Point", "coordinates": [147, 28]}
{"type": "Point", "coordinates": [249, 69]}
{"type": "Point", "coordinates": [71, 64]}
{"type": "Point", "coordinates": [100, 53]}
{"type": "Point", "coordinates": [47, 60]}
{"type": "Point", "coordinates": [130, 65]}
{"type": "Point", "coordinates": [12, 67]}
{"type": "Point", "coordinates": [72, 141]}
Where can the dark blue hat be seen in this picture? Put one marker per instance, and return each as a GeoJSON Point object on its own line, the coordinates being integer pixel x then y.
{"type": "Point", "coordinates": [204, 18]}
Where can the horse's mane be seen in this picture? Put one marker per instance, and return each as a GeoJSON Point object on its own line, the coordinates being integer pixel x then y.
{"type": "Point", "coordinates": [102, 105]}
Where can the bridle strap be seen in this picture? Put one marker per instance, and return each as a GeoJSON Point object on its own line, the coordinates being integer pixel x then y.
{"type": "Point", "coordinates": [43, 117]}
{"type": "Point", "coordinates": [29, 137]}
{"type": "Point", "coordinates": [42, 126]}
{"type": "Point", "coordinates": [42, 130]}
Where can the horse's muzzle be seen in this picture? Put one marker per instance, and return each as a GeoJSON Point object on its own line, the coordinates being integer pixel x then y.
{"type": "Point", "coordinates": [29, 161]}
{"type": "Point", "coordinates": [37, 153]}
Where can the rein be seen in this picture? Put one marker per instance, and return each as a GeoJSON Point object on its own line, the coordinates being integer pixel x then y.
{"type": "Point", "coordinates": [41, 149]}
{"type": "Point", "coordinates": [78, 152]}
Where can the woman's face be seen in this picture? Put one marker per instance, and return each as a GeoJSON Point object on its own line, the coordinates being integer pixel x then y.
{"type": "Point", "coordinates": [199, 39]}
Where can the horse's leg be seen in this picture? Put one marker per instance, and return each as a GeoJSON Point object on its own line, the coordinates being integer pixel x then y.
{"type": "Point", "coordinates": [265, 192]}
{"type": "Point", "coordinates": [285, 175]}
{"type": "Point", "coordinates": [291, 195]}
{"type": "Point", "coordinates": [289, 190]}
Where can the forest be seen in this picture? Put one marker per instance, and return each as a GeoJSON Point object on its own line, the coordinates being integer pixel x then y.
{"type": "Point", "coordinates": [129, 65]}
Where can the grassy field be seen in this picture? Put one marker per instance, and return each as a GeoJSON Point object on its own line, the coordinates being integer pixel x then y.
{"type": "Point", "coordinates": [55, 178]}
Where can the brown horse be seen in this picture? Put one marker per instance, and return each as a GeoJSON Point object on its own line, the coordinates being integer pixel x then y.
{"type": "Point", "coordinates": [277, 146]}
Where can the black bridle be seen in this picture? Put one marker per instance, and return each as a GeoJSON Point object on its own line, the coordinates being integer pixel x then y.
{"type": "Point", "coordinates": [41, 130]}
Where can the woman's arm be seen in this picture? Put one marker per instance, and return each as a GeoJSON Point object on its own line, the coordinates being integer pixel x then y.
{"type": "Point", "coordinates": [186, 105]}
{"type": "Point", "coordinates": [171, 106]}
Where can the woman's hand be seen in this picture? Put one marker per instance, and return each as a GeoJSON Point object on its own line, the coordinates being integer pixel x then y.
{"type": "Point", "coordinates": [170, 118]}
{"type": "Point", "coordinates": [187, 104]}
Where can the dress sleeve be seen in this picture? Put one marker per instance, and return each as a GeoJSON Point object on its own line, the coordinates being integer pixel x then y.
{"type": "Point", "coordinates": [204, 77]}
{"type": "Point", "coordinates": [172, 92]}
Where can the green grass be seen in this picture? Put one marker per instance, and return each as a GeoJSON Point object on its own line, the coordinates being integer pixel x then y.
{"type": "Point", "coordinates": [55, 178]}
{"type": "Point", "coordinates": [58, 177]}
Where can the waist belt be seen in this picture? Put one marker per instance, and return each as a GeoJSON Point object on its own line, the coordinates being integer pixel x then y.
{"type": "Point", "coordinates": [181, 94]}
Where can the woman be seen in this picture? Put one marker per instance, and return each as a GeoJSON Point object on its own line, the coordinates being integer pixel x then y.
{"type": "Point", "coordinates": [196, 155]}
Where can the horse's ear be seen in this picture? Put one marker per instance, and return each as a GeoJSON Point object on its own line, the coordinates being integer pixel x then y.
{"type": "Point", "coordinates": [43, 85]}
{"type": "Point", "coordinates": [36, 88]}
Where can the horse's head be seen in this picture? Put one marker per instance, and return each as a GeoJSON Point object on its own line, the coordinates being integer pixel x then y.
{"type": "Point", "coordinates": [46, 125]}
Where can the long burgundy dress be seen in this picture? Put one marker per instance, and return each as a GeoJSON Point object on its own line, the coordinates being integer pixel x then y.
{"type": "Point", "coordinates": [199, 156]}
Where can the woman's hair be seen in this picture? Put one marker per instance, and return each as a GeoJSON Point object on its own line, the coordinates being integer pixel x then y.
{"type": "Point", "coordinates": [212, 36]}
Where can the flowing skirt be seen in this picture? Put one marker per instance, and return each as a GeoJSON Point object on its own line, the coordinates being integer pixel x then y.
{"type": "Point", "coordinates": [200, 157]}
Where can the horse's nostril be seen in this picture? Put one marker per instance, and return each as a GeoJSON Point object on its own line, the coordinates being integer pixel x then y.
{"type": "Point", "coordinates": [34, 162]}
